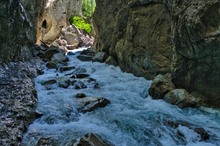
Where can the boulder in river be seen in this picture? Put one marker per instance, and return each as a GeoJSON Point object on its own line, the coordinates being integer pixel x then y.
{"type": "Point", "coordinates": [100, 57]}
{"type": "Point", "coordinates": [91, 139]}
{"type": "Point", "coordinates": [160, 86]}
{"type": "Point", "coordinates": [66, 68]}
{"type": "Point", "coordinates": [181, 98]}
{"type": "Point", "coordinates": [78, 84]}
{"type": "Point", "coordinates": [64, 83]}
{"type": "Point", "coordinates": [88, 104]}
{"type": "Point", "coordinates": [44, 141]}
{"type": "Point", "coordinates": [60, 57]}
{"type": "Point", "coordinates": [86, 55]}
{"type": "Point", "coordinates": [49, 82]}
{"type": "Point", "coordinates": [50, 52]}
{"type": "Point", "coordinates": [80, 95]}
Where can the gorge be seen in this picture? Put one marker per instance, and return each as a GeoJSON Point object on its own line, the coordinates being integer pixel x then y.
{"type": "Point", "coordinates": [144, 37]}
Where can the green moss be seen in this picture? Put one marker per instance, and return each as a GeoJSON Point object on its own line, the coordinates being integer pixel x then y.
{"type": "Point", "coordinates": [81, 24]}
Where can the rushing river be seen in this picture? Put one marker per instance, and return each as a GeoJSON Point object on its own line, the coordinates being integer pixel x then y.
{"type": "Point", "coordinates": [132, 118]}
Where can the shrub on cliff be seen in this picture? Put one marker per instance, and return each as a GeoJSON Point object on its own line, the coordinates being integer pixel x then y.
{"type": "Point", "coordinates": [81, 24]}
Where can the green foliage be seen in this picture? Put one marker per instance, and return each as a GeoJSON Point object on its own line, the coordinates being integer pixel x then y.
{"type": "Point", "coordinates": [88, 8]}
{"type": "Point", "coordinates": [81, 24]}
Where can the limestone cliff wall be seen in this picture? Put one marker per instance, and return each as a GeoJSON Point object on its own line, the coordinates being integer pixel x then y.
{"type": "Point", "coordinates": [149, 37]}
{"type": "Point", "coordinates": [17, 31]}
{"type": "Point", "coordinates": [196, 58]}
{"type": "Point", "coordinates": [136, 33]}
{"type": "Point", "coordinates": [53, 15]}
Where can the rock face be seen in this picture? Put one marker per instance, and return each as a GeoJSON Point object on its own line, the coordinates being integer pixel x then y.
{"type": "Point", "coordinates": [196, 59]}
{"type": "Point", "coordinates": [136, 33]}
{"type": "Point", "coordinates": [17, 31]}
{"type": "Point", "coordinates": [17, 101]}
{"type": "Point", "coordinates": [53, 16]}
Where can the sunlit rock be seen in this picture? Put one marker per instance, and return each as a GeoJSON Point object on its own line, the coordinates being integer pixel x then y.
{"type": "Point", "coordinates": [53, 16]}
{"type": "Point", "coordinates": [181, 98]}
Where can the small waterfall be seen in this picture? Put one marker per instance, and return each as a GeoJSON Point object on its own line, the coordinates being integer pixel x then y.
{"type": "Point", "coordinates": [132, 118]}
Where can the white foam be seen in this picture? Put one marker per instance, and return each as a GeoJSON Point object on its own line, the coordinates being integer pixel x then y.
{"type": "Point", "coordinates": [132, 118]}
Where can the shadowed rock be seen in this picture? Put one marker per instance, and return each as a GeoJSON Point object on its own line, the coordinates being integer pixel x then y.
{"type": "Point", "coordinates": [88, 104]}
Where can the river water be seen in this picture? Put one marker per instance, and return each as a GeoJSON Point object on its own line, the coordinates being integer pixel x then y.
{"type": "Point", "coordinates": [132, 118]}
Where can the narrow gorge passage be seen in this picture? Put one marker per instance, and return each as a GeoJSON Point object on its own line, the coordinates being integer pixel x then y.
{"type": "Point", "coordinates": [131, 119]}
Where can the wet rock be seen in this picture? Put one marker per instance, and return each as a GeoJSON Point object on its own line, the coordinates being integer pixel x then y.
{"type": "Point", "coordinates": [70, 53]}
{"type": "Point", "coordinates": [44, 142]}
{"type": "Point", "coordinates": [96, 86]}
{"type": "Point", "coordinates": [66, 68]}
{"type": "Point", "coordinates": [80, 95]}
{"type": "Point", "coordinates": [160, 86]}
{"type": "Point", "coordinates": [181, 98]}
{"type": "Point", "coordinates": [51, 65]}
{"type": "Point", "coordinates": [64, 83]}
{"type": "Point", "coordinates": [100, 57]}
{"type": "Point", "coordinates": [78, 85]}
{"type": "Point", "coordinates": [88, 104]}
{"type": "Point", "coordinates": [204, 135]}
{"type": "Point", "coordinates": [91, 80]}
{"type": "Point", "coordinates": [80, 76]}
{"type": "Point", "coordinates": [92, 139]}
{"type": "Point", "coordinates": [50, 52]}
{"type": "Point", "coordinates": [59, 57]}
{"type": "Point", "coordinates": [89, 52]}
{"type": "Point", "coordinates": [40, 71]}
{"type": "Point", "coordinates": [77, 71]}
{"type": "Point", "coordinates": [86, 55]}
{"type": "Point", "coordinates": [111, 61]}
{"type": "Point", "coordinates": [49, 82]}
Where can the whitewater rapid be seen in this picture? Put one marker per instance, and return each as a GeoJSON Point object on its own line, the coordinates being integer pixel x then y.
{"type": "Point", "coordinates": [132, 118]}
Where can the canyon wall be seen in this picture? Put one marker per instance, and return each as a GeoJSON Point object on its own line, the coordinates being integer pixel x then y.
{"type": "Point", "coordinates": [136, 33]}
{"type": "Point", "coordinates": [150, 37]}
{"type": "Point", "coordinates": [196, 36]}
{"type": "Point", "coordinates": [53, 15]}
{"type": "Point", "coordinates": [17, 31]}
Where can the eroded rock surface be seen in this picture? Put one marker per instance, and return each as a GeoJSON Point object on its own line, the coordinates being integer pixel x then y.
{"type": "Point", "coordinates": [17, 33]}
{"type": "Point", "coordinates": [17, 101]}
{"type": "Point", "coordinates": [196, 36]}
{"type": "Point", "coordinates": [160, 86]}
{"type": "Point", "coordinates": [53, 16]}
{"type": "Point", "coordinates": [136, 34]}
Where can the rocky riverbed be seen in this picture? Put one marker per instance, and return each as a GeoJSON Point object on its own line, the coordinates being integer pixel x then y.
{"type": "Point", "coordinates": [92, 102]}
